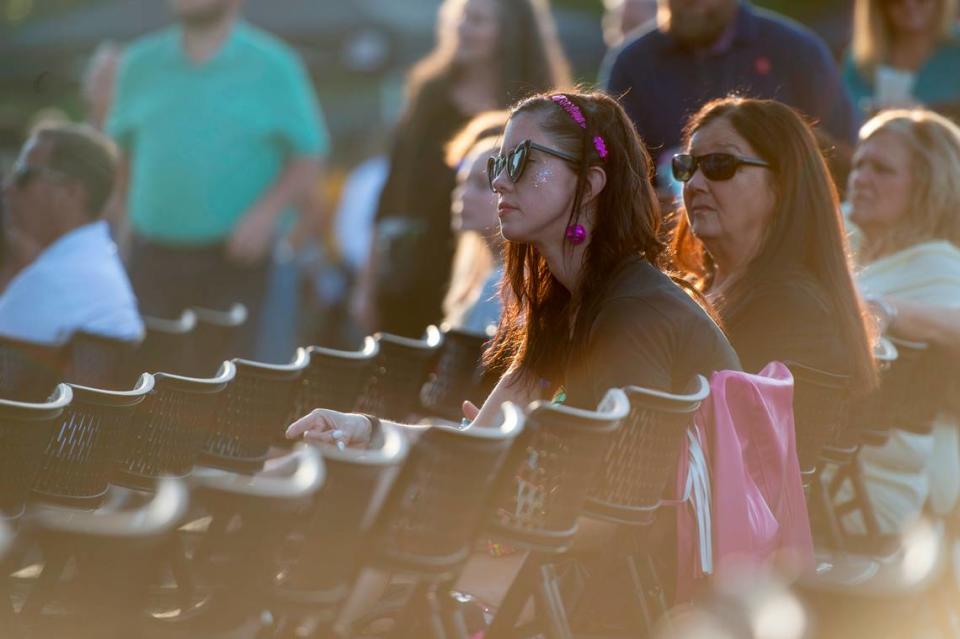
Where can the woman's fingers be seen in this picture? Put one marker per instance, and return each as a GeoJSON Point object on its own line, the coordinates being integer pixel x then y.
{"type": "Point", "coordinates": [470, 410]}
{"type": "Point", "coordinates": [315, 420]}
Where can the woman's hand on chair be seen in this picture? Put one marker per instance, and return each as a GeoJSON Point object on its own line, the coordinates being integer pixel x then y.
{"type": "Point", "coordinates": [331, 427]}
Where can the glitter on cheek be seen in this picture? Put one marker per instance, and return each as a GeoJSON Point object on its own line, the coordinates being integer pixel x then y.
{"type": "Point", "coordinates": [542, 176]}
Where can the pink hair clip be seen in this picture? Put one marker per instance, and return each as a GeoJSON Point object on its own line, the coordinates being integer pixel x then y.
{"type": "Point", "coordinates": [577, 116]}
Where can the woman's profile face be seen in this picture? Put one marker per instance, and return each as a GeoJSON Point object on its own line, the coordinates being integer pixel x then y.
{"type": "Point", "coordinates": [535, 208]}
{"type": "Point", "coordinates": [728, 215]}
{"type": "Point", "coordinates": [911, 16]}
{"type": "Point", "coordinates": [474, 205]}
{"type": "Point", "coordinates": [478, 30]}
{"type": "Point", "coordinates": [881, 182]}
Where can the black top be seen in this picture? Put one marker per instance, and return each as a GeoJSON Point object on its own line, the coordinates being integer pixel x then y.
{"type": "Point", "coordinates": [767, 56]}
{"type": "Point", "coordinates": [789, 319]}
{"type": "Point", "coordinates": [648, 333]}
{"type": "Point", "coordinates": [416, 243]}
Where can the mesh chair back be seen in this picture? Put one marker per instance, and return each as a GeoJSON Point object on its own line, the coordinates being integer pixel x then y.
{"type": "Point", "coordinates": [401, 370]}
{"type": "Point", "coordinates": [431, 518]}
{"type": "Point", "coordinates": [79, 459]}
{"type": "Point", "coordinates": [358, 481]}
{"type": "Point", "coordinates": [457, 376]}
{"type": "Point", "coordinates": [642, 455]}
{"type": "Point", "coordinates": [101, 362]}
{"type": "Point", "coordinates": [25, 431]}
{"type": "Point", "coordinates": [169, 428]}
{"type": "Point", "coordinates": [334, 379]}
{"type": "Point", "coordinates": [821, 409]}
{"type": "Point", "coordinates": [251, 412]}
{"type": "Point", "coordinates": [168, 345]}
{"type": "Point", "coordinates": [867, 413]}
{"type": "Point", "coordinates": [918, 383]}
{"type": "Point", "coordinates": [29, 372]}
{"type": "Point", "coordinates": [216, 337]}
{"type": "Point", "coordinates": [542, 490]}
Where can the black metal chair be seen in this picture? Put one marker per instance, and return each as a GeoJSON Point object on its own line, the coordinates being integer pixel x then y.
{"type": "Point", "coordinates": [821, 404]}
{"type": "Point", "coordinates": [402, 368]}
{"type": "Point", "coordinates": [238, 565]}
{"type": "Point", "coordinates": [433, 515]}
{"type": "Point", "coordinates": [169, 345]}
{"type": "Point", "coordinates": [29, 372]}
{"type": "Point", "coordinates": [639, 464]}
{"type": "Point", "coordinates": [169, 428]}
{"type": "Point", "coordinates": [457, 376]}
{"type": "Point", "coordinates": [251, 412]}
{"type": "Point", "coordinates": [540, 497]}
{"type": "Point", "coordinates": [25, 431]}
{"type": "Point", "coordinates": [116, 560]}
{"type": "Point", "coordinates": [313, 589]}
{"type": "Point", "coordinates": [101, 362]}
{"type": "Point", "coordinates": [216, 337]}
{"type": "Point", "coordinates": [78, 462]}
{"type": "Point", "coordinates": [334, 379]}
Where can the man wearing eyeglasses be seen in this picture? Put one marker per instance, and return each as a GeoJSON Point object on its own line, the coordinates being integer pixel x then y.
{"type": "Point", "coordinates": [74, 280]}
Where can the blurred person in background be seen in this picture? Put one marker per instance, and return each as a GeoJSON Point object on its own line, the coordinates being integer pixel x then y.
{"type": "Point", "coordinates": [473, 301]}
{"type": "Point", "coordinates": [904, 53]}
{"type": "Point", "coordinates": [98, 82]}
{"type": "Point", "coordinates": [222, 134]}
{"type": "Point", "coordinates": [73, 279]}
{"type": "Point", "coordinates": [622, 17]}
{"type": "Point", "coordinates": [905, 200]}
{"type": "Point", "coordinates": [700, 50]}
{"type": "Point", "coordinates": [488, 54]}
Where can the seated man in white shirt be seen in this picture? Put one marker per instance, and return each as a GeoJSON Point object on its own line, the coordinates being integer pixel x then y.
{"type": "Point", "coordinates": [74, 280]}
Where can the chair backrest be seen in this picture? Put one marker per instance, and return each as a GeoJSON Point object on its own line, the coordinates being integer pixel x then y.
{"type": "Point", "coordinates": [916, 385]}
{"type": "Point", "coordinates": [401, 370]}
{"type": "Point", "coordinates": [541, 492]}
{"type": "Point", "coordinates": [101, 362]}
{"type": "Point", "coordinates": [251, 412]}
{"type": "Point", "coordinates": [457, 376]}
{"type": "Point", "coordinates": [821, 410]}
{"type": "Point", "coordinates": [29, 372]}
{"type": "Point", "coordinates": [168, 345]}
{"type": "Point", "coordinates": [25, 431]}
{"type": "Point", "coordinates": [78, 462]}
{"type": "Point", "coordinates": [642, 455]}
{"type": "Point", "coordinates": [435, 508]}
{"type": "Point", "coordinates": [169, 428]}
{"type": "Point", "coordinates": [357, 484]}
{"type": "Point", "coordinates": [334, 379]}
{"type": "Point", "coordinates": [217, 337]}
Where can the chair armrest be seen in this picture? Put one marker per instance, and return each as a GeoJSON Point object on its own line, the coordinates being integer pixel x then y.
{"type": "Point", "coordinates": [161, 514]}
{"type": "Point", "coordinates": [294, 476]}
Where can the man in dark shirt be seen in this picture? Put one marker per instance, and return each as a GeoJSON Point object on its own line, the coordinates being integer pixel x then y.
{"type": "Point", "coordinates": [705, 49]}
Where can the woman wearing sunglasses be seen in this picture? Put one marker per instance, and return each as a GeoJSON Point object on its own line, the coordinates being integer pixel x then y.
{"type": "Point", "coordinates": [761, 236]}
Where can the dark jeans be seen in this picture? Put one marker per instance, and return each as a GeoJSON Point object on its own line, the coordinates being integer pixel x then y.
{"type": "Point", "coordinates": [169, 279]}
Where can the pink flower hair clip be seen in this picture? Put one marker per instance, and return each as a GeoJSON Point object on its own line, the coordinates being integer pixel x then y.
{"type": "Point", "coordinates": [577, 116]}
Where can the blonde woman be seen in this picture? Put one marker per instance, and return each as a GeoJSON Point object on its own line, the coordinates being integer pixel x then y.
{"type": "Point", "coordinates": [473, 301]}
{"type": "Point", "coordinates": [904, 53]}
{"type": "Point", "coordinates": [905, 199]}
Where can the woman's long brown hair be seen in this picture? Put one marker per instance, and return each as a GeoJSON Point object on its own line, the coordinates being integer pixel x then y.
{"type": "Point", "coordinates": [544, 325]}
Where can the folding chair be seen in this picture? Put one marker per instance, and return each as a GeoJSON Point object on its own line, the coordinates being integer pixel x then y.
{"type": "Point", "coordinates": [402, 368]}
{"type": "Point", "coordinates": [457, 376]}
{"type": "Point", "coordinates": [169, 345]}
{"type": "Point", "coordinates": [29, 372]}
{"type": "Point", "coordinates": [216, 337]}
{"type": "Point", "coordinates": [101, 362]}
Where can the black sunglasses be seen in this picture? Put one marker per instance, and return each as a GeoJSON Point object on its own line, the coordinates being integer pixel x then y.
{"type": "Point", "coordinates": [515, 161]}
{"type": "Point", "coordinates": [715, 166]}
{"type": "Point", "coordinates": [23, 174]}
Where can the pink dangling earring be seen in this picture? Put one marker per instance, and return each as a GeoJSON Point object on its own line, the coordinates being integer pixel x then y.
{"type": "Point", "coordinates": [576, 234]}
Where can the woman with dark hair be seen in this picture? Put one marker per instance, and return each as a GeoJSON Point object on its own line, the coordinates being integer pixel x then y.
{"type": "Point", "coordinates": [588, 306]}
{"type": "Point", "coordinates": [489, 53]}
{"type": "Point", "coordinates": [762, 237]}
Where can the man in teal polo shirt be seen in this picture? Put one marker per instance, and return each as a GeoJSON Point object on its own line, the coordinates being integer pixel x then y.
{"type": "Point", "coordinates": [222, 134]}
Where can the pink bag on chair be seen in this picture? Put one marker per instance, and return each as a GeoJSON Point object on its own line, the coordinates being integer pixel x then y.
{"type": "Point", "coordinates": [757, 505]}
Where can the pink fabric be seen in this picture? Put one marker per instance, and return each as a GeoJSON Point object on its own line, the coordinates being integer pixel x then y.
{"type": "Point", "coordinates": [758, 507]}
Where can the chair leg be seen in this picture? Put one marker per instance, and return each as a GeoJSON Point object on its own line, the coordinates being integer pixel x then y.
{"type": "Point", "coordinates": [182, 574]}
{"type": "Point", "coordinates": [54, 562]}
{"type": "Point", "coordinates": [550, 608]}
{"type": "Point", "coordinates": [823, 502]}
{"type": "Point", "coordinates": [645, 618]}
{"type": "Point", "coordinates": [455, 626]}
{"type": "Point", "coordinates": [505, 619]}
